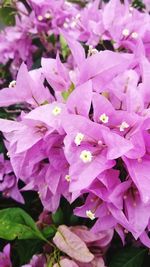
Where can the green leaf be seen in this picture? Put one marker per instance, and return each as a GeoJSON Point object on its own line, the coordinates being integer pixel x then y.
{"type": "Point", "coordinates": [138, 4]}
{"type": "Point", "coordinates": [49, 231]}
{"type": "Point", "coordinates": [74, 220]}
{"type": "Point", "coordinates": [51, 39]}
{"type": "Point", "coordinates": [64, 47]}
{"type": "Point", "coordinates": [6, 2]}
{"type": "Point", "coordinates": [36, 64]}
{"type": "Point", "coordinates": [66, 94]}
{"type": "Point", "coordinates": [7, 16]}
{"type": "Point", "coordinates": [58, 217]}
{"type": "Point", "coordinates": [25, 249]}
{"type": "Point", "coordinates": [129, 257]}
{"type": "Point", "coordinates": [16, 223]}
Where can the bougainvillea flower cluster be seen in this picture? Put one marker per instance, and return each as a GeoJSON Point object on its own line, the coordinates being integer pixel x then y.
{"type": "Point", "coordinates": [72, 146]}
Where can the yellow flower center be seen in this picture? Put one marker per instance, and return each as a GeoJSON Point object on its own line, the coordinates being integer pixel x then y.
{"type": "Point", "coordinates": [104, 118]}
{"type": "Point", "coordinates": [125, 32]}
{"type": "Point", "coordinates": [56, 111]}
{"type": "Point", "coordinates": [86, 156]}
{"type": "Point", "coordinates": [68, 178]}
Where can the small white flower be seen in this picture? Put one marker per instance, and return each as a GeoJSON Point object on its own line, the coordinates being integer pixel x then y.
{"type": "Point", "coordinates": [134, 35]}
{"type": "Point", "coordinates": [56, 111]}
{"type": "Point", "coordinates": [124, 125]}
{"type": "Point", "coordinates": [104, 118]}
{"type": "Point", "coordinates": [92, 51]}
{"type": "Point", "coordinates": [75, 21]}
{"type": "Point", "coordinates": [68, 178]}
{"type": "Point", "coordinates": [47, 15]}
{"type": "Point", "coordinates": [90, 214]}
{"type": "Point", "coordinates": [40, 18]}
{"type": "Point", "coordinates": [73, 24]}
{"type": "Point", "coordinates": [12, 84]}
{"type": "Point", "coordinates": [125, 32]}
{"type": "Point", "coordinates": [66, 26]}
{"type": "Point", "coordinates": [86, 156]}
{"type": "Point", "coordinates": [78, 139]}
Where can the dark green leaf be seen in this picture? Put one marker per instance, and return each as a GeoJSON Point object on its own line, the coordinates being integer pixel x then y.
{"type": "Point", "coordinates": [49, 231]}
{"type": "Point", "coordinates": [7, 15]}
{"type": "Point", "coordinates": [25, 249]}
{"type": "Point", "coordinates": [52, 39]}
{"type": "Point", "coordinates": [138, 4]}
{"type": "Point", "coordinates": [36, 64]}
{"type": "Point", "coordinates": [16, 223]}
{"type": "Point", "coordinates": [74, 220]}
{"type": "Point", "coordinates": [58, 217]}
{"type": "Point", "coordinates": [129, 257]}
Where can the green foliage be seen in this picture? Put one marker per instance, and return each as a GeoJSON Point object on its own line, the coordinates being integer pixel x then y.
{"type": "Point", "coordinates": [129, 257]}
{"type": "Point", "coordinates": [138, 4]}
{"type": "Point", "coordinates": [74, 220]}
{"type": "Point", "coordinates": [7, 15]}
{"type": "Point", "coordinates": [1, 147]}
{"type": "Point", "coordinates": [6, 3]}
{"type": "Point", "coordinates": [36, 64]}
{"type": "Point", "coordinates": [58, 217]}
{"type": "Point", "coordinates": [16, 223]}
{"type": "Point", "coordinates": [49, 231]}
{"type": "Point", "coordinates": [52, 39]}
{"type": "Point", "coordinates": [64, 47]}
{"type": "Point", "coordinates": [66, 94]}
{"type": "Point", "coordinates": [5, 75]}
{"type": "Point", "coordinates": [69, 217]}
{"type": "Point", "coordinates": [25, 249]}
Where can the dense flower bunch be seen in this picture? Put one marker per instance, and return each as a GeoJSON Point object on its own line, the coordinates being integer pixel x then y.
{"type": "Point", "coordinates": [89, 22]}
{"type": "Point", "coordinates": [80, 124]}
{"type": "Point", "coordinates": [38, 20]}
